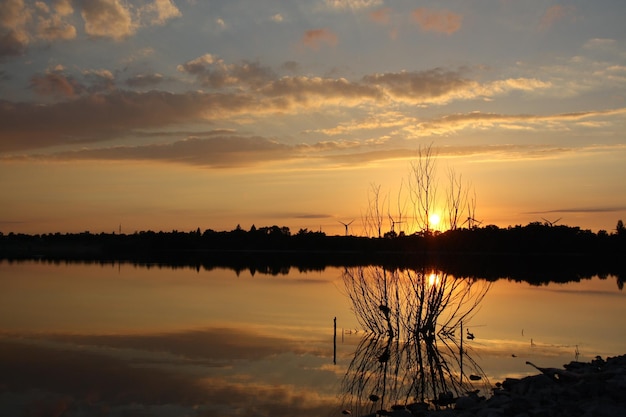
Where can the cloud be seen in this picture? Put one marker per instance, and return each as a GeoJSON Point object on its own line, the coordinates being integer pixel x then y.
{"type": "Point", "coordinates": [213, 149]}
{"type": "Point", "coordinates": [107, 18]}
{"type": "Point", "coordinates": [180, 379]}
{"type": "Point", "coordinates": [54, 28]}
{"type": "Point", "coordinates": [145, 80]}
{"type": "Point", "coordinates": [420, 86]}
{"type": "Point", "coordinates": [480, 120]}
{"type": "Point", "coordinates": [51, 26]}
{"type": "Point", "coordinates": [197, 65]}
{"type": "Point", "coordinates": [100, 80]}
{"type": "Point", "coordinates": [440, 86]}
{"type": "Point", "coordinates": [599, 43]}
{"type": "Point", "coordinates": [381, 16]}
{"type": "Point", "coordinates": [352, 4]}
{"type": "Point", "coordinates": [14, 38]}
{"type": "Point", "coordinates": [315, 38]}
{"type": "Point", "coordinates": [291, 66]}
{"type": "Point", "coordinates": [215, 152]}
{"type": "Point", "coordinates": [92, 109]}
{"type": "Point", "coordinates": [194, 344]}
{"type": "Point", "coordinates": [159, 12]}
{"type": "Point", "coordinates": [11, 44]}
{"type": "Point", "coordinates": [599, 209]}
{"type": "Point", "coordinates": [97, 117]}
{"type": "Point", "coordinates": [441, 21]}
{"type": "Point", "coordinates": [306, 90]}
{"type": "Point", "coordinates": [23, 23]}
{"type": "Point", "coordinates": [556, 13]}
{"type": "Point", "coordinates": [55, 84]}
{"type": "Point", "coordinates": [384, 120]}
{"type": "Point", "coordinates": [215, 73]}
{"type": "Point", "coordinates": [63, 7]}
{"type": "Point", "coordinates": [312, 216]}
{"type": "Point", "coordinates": [14, 14]}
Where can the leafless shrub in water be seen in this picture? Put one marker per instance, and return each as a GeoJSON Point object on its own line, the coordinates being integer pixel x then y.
{"type": "Point", "coordinates": [412, 350]}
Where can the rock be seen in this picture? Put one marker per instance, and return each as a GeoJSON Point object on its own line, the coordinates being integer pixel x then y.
{"type": "Point", "coordinates": [595, 389]}
{"type": "Point", "coordinates": [465, 403]}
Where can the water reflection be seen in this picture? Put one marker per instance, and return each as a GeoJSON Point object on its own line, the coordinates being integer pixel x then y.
{"type": "Point", "coordinates": [413, 351]}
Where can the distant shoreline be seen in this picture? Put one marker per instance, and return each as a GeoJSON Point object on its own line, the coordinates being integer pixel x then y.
{"type": "Point", "coordinates": [534, 253]}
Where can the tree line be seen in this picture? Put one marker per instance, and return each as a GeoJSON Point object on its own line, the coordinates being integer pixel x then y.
{"type": "Point", "coordinates": [533, 238]}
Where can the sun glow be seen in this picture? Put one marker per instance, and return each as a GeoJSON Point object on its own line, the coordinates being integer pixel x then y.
{"type": "Point", "coordinates": [434, 220]}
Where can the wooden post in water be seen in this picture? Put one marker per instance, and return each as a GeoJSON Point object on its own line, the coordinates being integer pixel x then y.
{"type": "Point", "coordinates": [335, 341]}
{"type": "Point", "coordinates": [461, 351]}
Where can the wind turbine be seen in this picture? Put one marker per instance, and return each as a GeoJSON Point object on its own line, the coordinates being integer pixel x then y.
{"type": "Point", "coordinates": [393, 223]}
{"type": "Point", "coordinates": [346, 225]}
{"type": "Point", "coordinates": [551, 224]}
{"type": "Point", "coordinates": [471, 222]}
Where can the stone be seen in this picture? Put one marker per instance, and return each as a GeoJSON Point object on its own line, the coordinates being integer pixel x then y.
{"type": "Point", "coordinates": [464, 403]}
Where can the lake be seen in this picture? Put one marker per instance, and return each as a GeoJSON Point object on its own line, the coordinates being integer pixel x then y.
{"type": "Point", "coordinates": [79, 339]}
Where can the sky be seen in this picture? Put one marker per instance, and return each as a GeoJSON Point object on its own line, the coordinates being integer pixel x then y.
{"type": "Point", "coordinates": [181, 114]}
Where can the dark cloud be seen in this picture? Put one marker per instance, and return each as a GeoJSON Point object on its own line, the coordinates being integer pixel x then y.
{"type": "Point", "coordinates": [144, 80]}
{"type": "Point", "coordinates": [312, 216]}
{"type": "Point", "coordinates": [74, 372]}
{"type": "Point", "coordinates": [99, 117]}
{"type": "Point", "coordinates": [420, 85]}
{"type": "Point", "coordinates": [83, 374]}
{"type": "Point", "coordinates": [95, 110]}
{"type": "Point", "coordinates": [99, 80]}
{"type": "Point", "coordinates": [11, 45]}
{"type": "Point", "coordinates": [215, 344]}
{"type": "Point", "coordinates": [291, 66]}
{"type": "Point", "coordinates": [214, 73]}
{"type": "Point", "coordinates": [217, 152]}
{"type": "Point", "coordinates": [599, 209]}
{"type": "Point", "coordinates": [55, 84]}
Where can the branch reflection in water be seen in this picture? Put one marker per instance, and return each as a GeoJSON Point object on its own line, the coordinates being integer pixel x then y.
{"type": "Point", "coordinates": [413, 350]}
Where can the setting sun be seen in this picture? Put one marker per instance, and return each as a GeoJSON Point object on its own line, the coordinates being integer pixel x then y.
{"type": "Point", "coordinates": [434, 220]}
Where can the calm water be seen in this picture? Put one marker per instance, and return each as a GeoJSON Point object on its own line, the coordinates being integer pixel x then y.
{"type": "Point", "coordinates": [120, 340]}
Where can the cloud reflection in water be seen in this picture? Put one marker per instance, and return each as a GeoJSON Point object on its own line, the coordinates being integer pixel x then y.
{"type": "Point", "coordinates": [221, 371]}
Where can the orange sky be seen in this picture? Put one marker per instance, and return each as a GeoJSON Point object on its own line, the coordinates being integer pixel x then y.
{"type": "Point", "coordinates": [171, 114]}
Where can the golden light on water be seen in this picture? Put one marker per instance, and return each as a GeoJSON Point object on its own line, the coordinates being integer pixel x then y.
{"type": "Point", "coordinates": [433, 279]}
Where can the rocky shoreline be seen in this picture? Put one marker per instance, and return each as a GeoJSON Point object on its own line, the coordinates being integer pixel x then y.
{"type": "Point", "coordinates": [596, 388]}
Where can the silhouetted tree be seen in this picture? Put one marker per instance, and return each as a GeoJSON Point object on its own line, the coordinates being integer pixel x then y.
{"type": "Point", "coordinates": [457, 197]}
{"type": "Point", "coordinates": [620, 229]}
{"type": "Point", "coordinates": [423, 186]}
{"type": "Point", "coordinates": [373, 218]}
